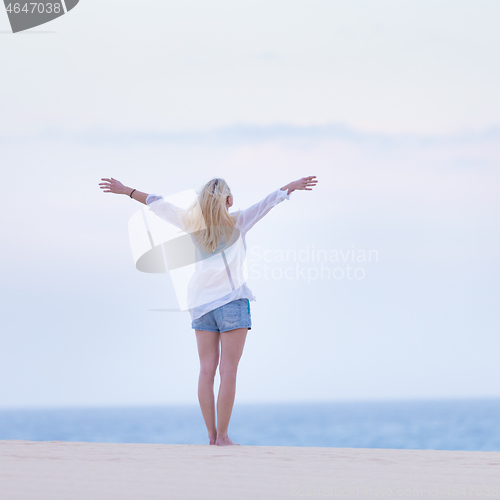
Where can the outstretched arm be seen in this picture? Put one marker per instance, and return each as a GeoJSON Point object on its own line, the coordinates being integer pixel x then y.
{"type": "Point", "coordinates": [249, 217]}
{"type": "Point", "coordinates": [113, 186]}
{"type": "Point", "coordinates": [164, 209]}
{"type": "Point", "coordinates": [304, 184]}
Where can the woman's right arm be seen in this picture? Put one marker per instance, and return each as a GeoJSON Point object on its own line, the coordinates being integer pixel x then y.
{"type": "Point", "coordinates": [247, 218]}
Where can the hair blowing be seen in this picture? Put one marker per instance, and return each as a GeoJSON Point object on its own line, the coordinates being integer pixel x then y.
{"type": "Point", "coordinates": [207, 217]}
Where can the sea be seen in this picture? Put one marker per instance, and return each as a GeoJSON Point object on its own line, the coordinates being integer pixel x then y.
{"type": "Point", "coordinates": [470, 425]}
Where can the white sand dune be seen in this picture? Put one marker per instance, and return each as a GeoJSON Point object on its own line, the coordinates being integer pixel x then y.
{"type": "Point", "coordinates": [59, 470]}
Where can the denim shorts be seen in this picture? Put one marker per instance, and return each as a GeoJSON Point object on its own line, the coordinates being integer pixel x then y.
{"type": "Point", "coordinates": [235, 314]}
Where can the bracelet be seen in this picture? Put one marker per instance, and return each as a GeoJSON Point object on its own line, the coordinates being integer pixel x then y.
{"type": "Point", "coordinates": [131, 193]}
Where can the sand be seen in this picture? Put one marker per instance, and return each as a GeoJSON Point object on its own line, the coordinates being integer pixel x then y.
{"type": "Point", "coordinates": [64, 470]}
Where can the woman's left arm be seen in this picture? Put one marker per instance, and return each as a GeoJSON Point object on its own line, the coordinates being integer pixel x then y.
{"type": "Point", "coordinates": [111, 185]}
{"type": "Point", "coordinates": [164, 209]}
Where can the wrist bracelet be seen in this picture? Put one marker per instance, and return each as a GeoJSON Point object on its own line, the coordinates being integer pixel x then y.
{"type": "Point", "coordinates": [132, 192]}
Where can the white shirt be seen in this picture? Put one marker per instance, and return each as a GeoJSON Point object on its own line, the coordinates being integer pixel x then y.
{"type": "Point", "coordinates": [218, 278]}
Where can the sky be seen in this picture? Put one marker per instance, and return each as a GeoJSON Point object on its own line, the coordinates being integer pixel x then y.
{"type": "Point", "coordinates": [393, 105]}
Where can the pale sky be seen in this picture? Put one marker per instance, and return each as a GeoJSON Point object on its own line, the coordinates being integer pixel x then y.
{"type": "Point", "coordinates": [397, 66]}
{"type": "Point", "coordinates": [392, 104]}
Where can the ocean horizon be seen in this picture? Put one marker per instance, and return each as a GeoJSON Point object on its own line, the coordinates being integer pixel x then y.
{"type": "Point", "coordinates": [458, 424]}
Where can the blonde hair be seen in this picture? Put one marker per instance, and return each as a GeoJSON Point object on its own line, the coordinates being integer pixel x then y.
{"type": "Point", "coordinates": [207, 217]}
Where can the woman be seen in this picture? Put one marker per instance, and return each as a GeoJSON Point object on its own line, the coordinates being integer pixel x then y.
{"type": "Point", "coordinates": [219, 298]}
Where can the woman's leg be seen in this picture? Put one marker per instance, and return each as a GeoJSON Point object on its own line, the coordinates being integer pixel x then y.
{"type": "Point", "coordinates": [208, 351]}
{"type": "Point", "coordinates": [232, 343]}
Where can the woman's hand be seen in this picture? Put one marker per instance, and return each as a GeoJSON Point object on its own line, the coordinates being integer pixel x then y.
{"type": "Point", "coordinates": [114, 186]}
{"type": "Point", "coordinates": [304, 184]}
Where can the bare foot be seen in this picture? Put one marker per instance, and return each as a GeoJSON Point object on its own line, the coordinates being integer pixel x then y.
{"type": "Point", "coordinates": [213, 440]}
{"type": "Point", "coordinates": [225, 441]}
